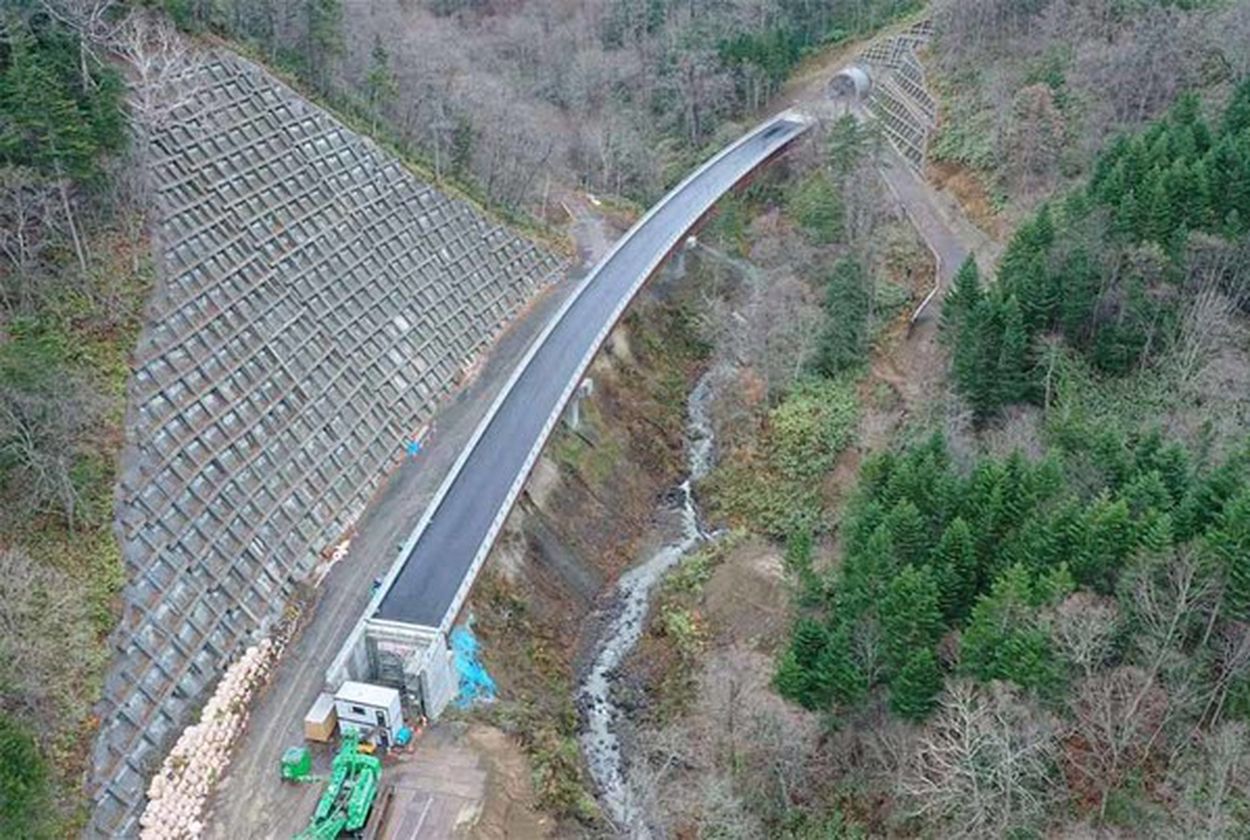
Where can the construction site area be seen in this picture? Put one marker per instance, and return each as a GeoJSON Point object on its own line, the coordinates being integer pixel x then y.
{"type": "Point", "coordinates": [292, 436]}
{"type": "Point", "coordinates": [599, 418]}
{"type": "Point", "coordinates": [328, 348]}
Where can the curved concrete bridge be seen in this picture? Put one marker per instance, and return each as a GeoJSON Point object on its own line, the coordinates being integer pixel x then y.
{"type": "Point", "coordinates": [421, 595]}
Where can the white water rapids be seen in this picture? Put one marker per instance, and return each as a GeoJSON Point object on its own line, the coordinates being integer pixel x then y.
{"type": "Point", "coordinates": [600, 744]}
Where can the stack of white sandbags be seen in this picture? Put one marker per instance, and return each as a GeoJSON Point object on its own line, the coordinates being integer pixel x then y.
{"type": "Point", "coordinates": [178, 793]}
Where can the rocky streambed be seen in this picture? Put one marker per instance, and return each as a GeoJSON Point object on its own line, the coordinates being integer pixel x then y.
{"type": "Point", "coordinates": [624, 620]}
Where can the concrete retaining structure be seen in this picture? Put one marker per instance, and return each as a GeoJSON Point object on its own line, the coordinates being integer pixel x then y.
{"type": "Point", "coordinates": [899, 98]}
{"type": "Point", "coordinates": [316, 302]}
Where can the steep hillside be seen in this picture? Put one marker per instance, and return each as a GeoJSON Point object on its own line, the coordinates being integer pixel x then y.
{"type": "Point", "coordinates": [622, 97]}
{"type": "Point", "coordinates": [75, 271]}
{"type": "Point", "coordinates": [1031, 92]}
{"type": "Point", "coordinates": [315, 302]}
{"type": "Point", "coordinates": [1029, 616]}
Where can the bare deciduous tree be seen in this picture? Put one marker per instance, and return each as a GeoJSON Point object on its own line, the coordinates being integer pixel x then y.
{"type": "Point", "coordinates": [1117, 724]}
{"type": "Point", "coordinates": [1083, 627]}
{"type": "Point", "coordinates": [1034, 138]}
{"type": "Point", "coordinates": [163, 65]}
{"type": "Point", "coordinates": [981, 26]}
{"type": "Point", "coordinates": [44, 637]}
{"type": "Point", "coordinates": [767, 321]}
{"type": "Point", "coordinates": [41, 430]}
{"type": "Point", "coordinates": [1171, 597]}
{"type": "Point", "coordinates": [93, 20]}
{"type": "Point", "coordinates": [1154, 55]}
{"type": "Point", "coordinates": [983, 767]}
{"type": "Point", "coordinates": [1232, 34]}
{"type": "Point", "coordinates": [28, 210]}
{"type": "Point", "coordinates": [1212, 780]}
{"type": "Point", "coordinates": [1230, 663]}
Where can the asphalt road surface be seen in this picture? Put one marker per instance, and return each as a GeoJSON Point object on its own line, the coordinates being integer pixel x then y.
{"type": "Point", "coordinates": [426, 586]}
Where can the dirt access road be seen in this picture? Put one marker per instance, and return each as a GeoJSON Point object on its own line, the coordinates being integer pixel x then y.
{"type": "Point", "coordinates": [250, 803]}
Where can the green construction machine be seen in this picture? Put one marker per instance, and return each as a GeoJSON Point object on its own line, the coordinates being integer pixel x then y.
{"type": "Point", "coordinates": [353, 785]}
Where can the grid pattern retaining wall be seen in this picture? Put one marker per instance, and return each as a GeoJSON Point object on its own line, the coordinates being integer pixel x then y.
{"type": "Point", "coordinates": [900, 99]}
{"type": "Point", "coordinates": [316, 302]}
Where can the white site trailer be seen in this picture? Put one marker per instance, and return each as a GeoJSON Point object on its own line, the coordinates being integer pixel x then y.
{"type": "Point", "coordinates": [369, 709]}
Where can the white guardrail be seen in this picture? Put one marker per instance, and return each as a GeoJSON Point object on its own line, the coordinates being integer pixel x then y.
{"type": "Point", "coordinates": [338, 667]}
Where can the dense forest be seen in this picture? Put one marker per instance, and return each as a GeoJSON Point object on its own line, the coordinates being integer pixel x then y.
{"type": "Point", "coordinates": [1033, 92]}
{"type": "Point", "coordinates": [619, 95]}
{"type": "Point", "coordinates": [1103, 588]}
{"type": "Point", "coordinates": [1064, 628]}
{"type": "Point", "coordinates": [74, 273]}
{"type": "Point", "coordinates": [1141, 259]}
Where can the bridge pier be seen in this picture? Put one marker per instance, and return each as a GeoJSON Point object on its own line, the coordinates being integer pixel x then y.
{"type": "Point", "coordinates": [573, 415]}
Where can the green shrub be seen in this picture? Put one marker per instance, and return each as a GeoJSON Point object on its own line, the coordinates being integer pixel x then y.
{"type": "Point", "coordinates": [24, 793]}
{"type": "Point", "coordinates": [812, 425]}
{"type": "Point", "coordinates": [778, 490]}
{"type": "Point", "coordinates": [817, 208]}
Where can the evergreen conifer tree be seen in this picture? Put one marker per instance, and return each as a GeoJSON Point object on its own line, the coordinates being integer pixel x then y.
{"type": "Point", "coordinates": [1037, 293]}
{"type": "Point", "coordinates": [910, 616]}
{"type": "Point", "coordinates": [976, 360]}
{"type": "Point", "coordinates": [1042, 232]}
{"type": "Point", "coordinates": [1160, 218]}
{"type": "Point", "coordinates": [799, 674]}
{"type": "Point", "coordinates": [1013, 358]}
{"type": "Point", "coordinates": [914, 691]}
{"type": "Point", "coordinates": [1109, 537]}
{"type": "Point", "coordinates": [955, 558]}
{"type": "Point", "coordinates": [1207, 496]}
{"type": "Point", "coordinates": [848, 300]}
{"type": "Point", "coordinates": [859, 526]}
{"type": "Point", "coordinates": [841, 676]}
{"type": "Point", "coordinates": [1004, 640]}
{"type": "Point", "coordinates": [1035, 545]}
{"type": "Point", "coordinates": [1156, 532]}
{"type": "Point", "coordinates": [1230, 542]}
{"type": "Point", "coordinates": [1050, 586]}
{"type": "Point", "coordinates": [43, 124]}
{"type": "Point", "coordinates": [1146, 492]}
{"type": "Point", "coordinates": [865, 574]}
{"type": "Point", "coordinates": [1081, 285]}
{"type": "Point", "coordinates": [908, 533]}
{"type": "Point", "coordinates": [1237, 112]}
{"type": "Point", "coordinates": [790, 679]}
{"type": "Point", "coordinates": [963, 297]}
{"type": "Point", "coordinates": [1107, 179]}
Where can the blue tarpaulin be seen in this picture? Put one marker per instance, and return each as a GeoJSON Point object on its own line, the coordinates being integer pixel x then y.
{"type": "Point", "coordinates": [475, 683]}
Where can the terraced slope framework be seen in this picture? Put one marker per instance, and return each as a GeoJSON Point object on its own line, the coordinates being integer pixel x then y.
{"type": "Point", "coordinates": [316, 302]}
{"type": "Point", "coordinates": [899, 98]}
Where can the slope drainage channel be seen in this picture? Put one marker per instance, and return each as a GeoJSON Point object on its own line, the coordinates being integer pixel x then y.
{"type": "Point", "coordinates": [599, 741]}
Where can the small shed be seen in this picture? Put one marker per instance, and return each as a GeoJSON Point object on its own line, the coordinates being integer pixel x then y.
{"type": "Point", "coordinates": [369, 710]}
{"type": "Point", "coordinates": [320, 721]}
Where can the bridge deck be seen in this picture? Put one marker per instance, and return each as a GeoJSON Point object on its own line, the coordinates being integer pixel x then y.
{"type": "Point", "coordinates": [467, 514]}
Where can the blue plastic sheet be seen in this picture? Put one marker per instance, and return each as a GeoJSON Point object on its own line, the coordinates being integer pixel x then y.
{"type": "Point", "coordinates": [475, 684]}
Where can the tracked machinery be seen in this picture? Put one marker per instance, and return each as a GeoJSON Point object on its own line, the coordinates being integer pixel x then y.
{"type": "Point", "coordinates": [352, 787]}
